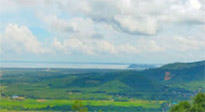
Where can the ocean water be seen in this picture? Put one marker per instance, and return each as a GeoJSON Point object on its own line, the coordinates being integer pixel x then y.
{"type": "Point", "coordinates": [63, 65]}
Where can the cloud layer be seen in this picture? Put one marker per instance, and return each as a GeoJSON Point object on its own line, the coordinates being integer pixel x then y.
{"type": "Point", "coordinates": [20, 39]}
{"type": "Point", "coordinates": [120, 29]}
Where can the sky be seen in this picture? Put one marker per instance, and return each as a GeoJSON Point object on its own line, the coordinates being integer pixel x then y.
{"type": "Point", "coordinates": [124, 31]}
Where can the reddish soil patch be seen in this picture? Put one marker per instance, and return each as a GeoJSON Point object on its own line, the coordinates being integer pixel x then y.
{"type": "Point", "coordinates": [167, 76]}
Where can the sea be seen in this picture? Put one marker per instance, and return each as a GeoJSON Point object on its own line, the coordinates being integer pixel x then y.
{"type": "Point", "coordinates": [69, 65]}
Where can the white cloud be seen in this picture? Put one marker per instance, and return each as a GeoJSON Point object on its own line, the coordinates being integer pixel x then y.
{"type": "Point", "coordinates": [76, 6]}
{"type": "Point", "coordinates": [75, 27]}
{"type": "Point", "coordinates": [147, 14]}
{"type": "Point", "coordinates": [195, 4]}
{"type": "Point", "coordinates": [149, 45]}
{"type": "Point", "coordinates": [105, 47]}
{"type": "Point", "coordinates": [136, 16]}
{"type": "Point", "coordinates": [132, 25]}
{"type": "Point", "coordinates": [99, 27]}
{"type": "Point", "coordinates": [20, 39]}
{"type": "Point", "coordinates": [56, 24]}
{"type": "Point", "coordinates": [129, 49]}
{"type": "Point", "coordinates": [17, 5]}
{"type": "Point", "coordinates": [72, 45]}
{"type": "Point", "coordinates": [58, 45]}
{"type": "Point", "coordinates": [188, 44]}
{"type": "Point", "coordinates": [184, 12]}
{"type": "Point", "coordinates": [180, 43]}
{"type": "Point", "coordinates": [7, 5]}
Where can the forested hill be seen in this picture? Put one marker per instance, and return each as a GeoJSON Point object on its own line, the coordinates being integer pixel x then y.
{"type": "Point", "coordinates": [156, 83]}
{"type": "Point", "coordinates": [178, 72]}
{"type": "Point", "coordinates": [183, 65]}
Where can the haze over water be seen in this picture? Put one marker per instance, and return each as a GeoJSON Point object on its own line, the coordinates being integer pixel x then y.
{"type": "Point", "coordinates": [63, 65]}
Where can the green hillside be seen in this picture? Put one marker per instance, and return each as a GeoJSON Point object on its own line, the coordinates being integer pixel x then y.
{"type": "Point", "coordinates": [183, 65]}
{"type": "Point", "coordinates": [170, 82]}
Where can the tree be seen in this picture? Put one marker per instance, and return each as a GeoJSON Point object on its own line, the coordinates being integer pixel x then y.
{"type": "Point", "coordinates": [181, 107]}
{"type": "Point", "coordinates": [78, 107]}
{"type": "Point", "coordinates": [197, 105]}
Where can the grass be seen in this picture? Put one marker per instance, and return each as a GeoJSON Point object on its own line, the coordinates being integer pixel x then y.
{"type": "Point", "coordinates": [35, 104]}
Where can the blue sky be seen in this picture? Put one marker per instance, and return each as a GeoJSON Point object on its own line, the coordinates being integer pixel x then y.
{"type": "Point", "coordinates": [133, 31]}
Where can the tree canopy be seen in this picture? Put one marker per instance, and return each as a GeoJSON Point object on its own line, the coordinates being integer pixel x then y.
{"type": "Point", "coordinates": [196, 105]}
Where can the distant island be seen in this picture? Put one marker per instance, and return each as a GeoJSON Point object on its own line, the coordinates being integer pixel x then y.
{"type": "Point", "coordinates": [142, 66]}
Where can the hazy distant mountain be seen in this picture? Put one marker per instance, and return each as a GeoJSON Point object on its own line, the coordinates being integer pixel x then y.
{"type": "Point", "coordinates": [142, 66]}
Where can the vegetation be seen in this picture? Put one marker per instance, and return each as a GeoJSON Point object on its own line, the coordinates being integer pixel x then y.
{"type": "Point", "coordinates": [60, 105]}
{"type": "Point", "coordinates": [78, 107]}
{"type": "Point", "coordinates": [100, 89]}
{"type": "Point", "coordinates": [183, 65]}
{"type": "Point", "coordinates": [197, 105]}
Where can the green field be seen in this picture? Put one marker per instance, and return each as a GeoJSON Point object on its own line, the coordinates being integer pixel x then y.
{"type": "Point", "coordinates": [37, 104]}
